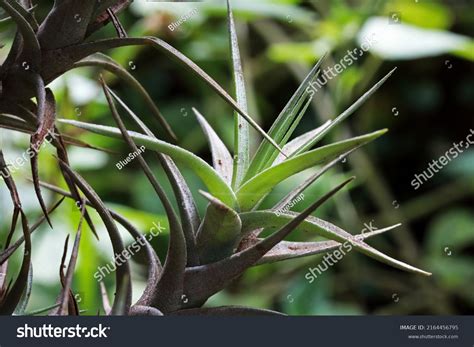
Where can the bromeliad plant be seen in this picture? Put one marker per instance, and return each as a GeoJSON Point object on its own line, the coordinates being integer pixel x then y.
{"type": "Point", "coordinates": [205, 253]}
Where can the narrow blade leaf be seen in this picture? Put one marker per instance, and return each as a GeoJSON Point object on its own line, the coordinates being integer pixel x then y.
{"type": "Point", "coordinates": [343, 115]}
{"type": "Point", "coordinates": [253, 191]}
{"type": "Point", "coordinates": [221, 158]}
{"type": "Point", "coordinates": [216, 185]}
{"type": "Point", "coordinates": [241, 128]}
{"type": "Point", "coordinates": [291, 147]}
{"type": "Point", "coordinates": [282, 123]}
{"type": "Point", "coordinates": [289, 250]}
{"type": "Point", "coordinates": [264, 219]}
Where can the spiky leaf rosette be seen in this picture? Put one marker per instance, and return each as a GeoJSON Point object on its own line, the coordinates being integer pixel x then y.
{"type": "Point", "coordinates": [207, 252]}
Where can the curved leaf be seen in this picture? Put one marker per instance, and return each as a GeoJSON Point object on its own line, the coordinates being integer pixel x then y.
{"type": "Point", "coordinates": [219, 232]}
{"type": "Point", "coordinates": [203, 281]}
{"type": "Point", "coordinates": [221, 158]}
{"type": "Point", "coordinates": [63, 156]}
{"type": "Point", "coordinates": [78, 52]}
{"type": "Point", "coordinates": [45, 118]}
{"type": "Point", "coordinates": [25, 298]}
{"type": "Point", "coordinates": [187, 206]}
{"type": "Point", "coordinates": [252, 192]}
{"type": "Point", "coordinates": [168, 290]}
{"type": "Point", "coordinates": [155, 264]}
{"type": "Point", "coordinates": [14, 295]}
{"type": "Point", "coordinates": [269, 219]}
{"type": "Point", "coordinates": [289, 250]}
{"type": "Point", "coordinates": [31, 48]}
{"type": "Point", "coordinates": [66, 300]}
{"type": "Point", "coordinates": [122, 301]}
{"type": "Point", "coordinates": [4, 255]}
{"type": "Point", "coordinates": [25, 10]}
{"type": "Point", "coordinates": [154, 269]}
{"type": "Point", "coordinates": [111, 65]}
{"type": "Point", "coordinates": [216, 185]}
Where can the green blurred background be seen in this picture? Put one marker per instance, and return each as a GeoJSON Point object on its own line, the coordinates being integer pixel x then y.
{"type": "Point", "coordinates": [427, 104]}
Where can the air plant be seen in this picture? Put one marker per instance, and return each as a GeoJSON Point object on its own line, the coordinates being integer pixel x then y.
{"type": "Point", "coordinates": [205, 253]}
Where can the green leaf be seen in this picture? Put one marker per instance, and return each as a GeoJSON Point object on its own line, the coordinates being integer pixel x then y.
{"type": "Point", "coordinates": [206, 280]}
{"type": "Point", "coordinates": [294, 193]}
{"type": "Point", "coordinates": [339, 119]}
{"type": "Point", "coordinates": [219, 232]}
{"type": "Point", "coordinates": [254, 190]}
{"type": "Point", "coordinates": [390, 41]}
{"type": "Point", "coordinates": [281, 124]}
{"type": "Point", "coordinates": [291, 147]}
{"type": "Point", "coordinates": [241, 128]}
{"type": "Point", "coordinates": [216, 185]}
{"type": "Point", "coordinates": [301, 112]}
{"type": "Point", "coordinates": [221, 158]}
{"type": "Point", "coordinates": [465, 51]}
{"type": "Point", "coordinates": [425, 15]}
{"type": "Point", "coordinates": [79, 52]}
